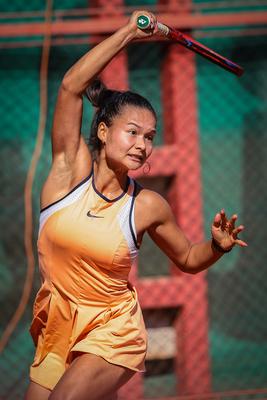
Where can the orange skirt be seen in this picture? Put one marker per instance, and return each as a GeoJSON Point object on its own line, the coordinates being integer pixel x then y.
{"type": "Point", "coordinates": [60, 328]}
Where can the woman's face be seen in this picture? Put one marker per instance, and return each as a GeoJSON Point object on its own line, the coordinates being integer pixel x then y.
{"type": "Point", "coordinates": [129, 139]}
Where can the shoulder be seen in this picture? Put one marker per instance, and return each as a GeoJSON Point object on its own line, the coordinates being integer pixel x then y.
{"type": "Point", "coordinates": [152, 205]}
{"type": "Point", "coordinates": [148, 197]}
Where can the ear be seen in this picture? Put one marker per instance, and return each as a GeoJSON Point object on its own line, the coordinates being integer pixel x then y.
{"type": "Point", "coordinates": [102, 132]}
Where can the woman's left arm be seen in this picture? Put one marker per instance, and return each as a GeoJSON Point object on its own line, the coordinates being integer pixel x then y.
{"type": "Point", "coordinates": [189, 257]}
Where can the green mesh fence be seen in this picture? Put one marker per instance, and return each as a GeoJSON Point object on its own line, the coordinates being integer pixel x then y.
{"type": "Point", "coordinates": [20, 93]}
{"type": "Point", "coordinates": [234, 160]}
{"type": "Point", "coordinates": [39, 5]}
{"type": "Point", "coordinates": [233, 143]}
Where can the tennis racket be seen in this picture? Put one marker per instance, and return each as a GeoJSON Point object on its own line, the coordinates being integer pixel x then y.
{"type": "Point", "coordinates": [144, 22]}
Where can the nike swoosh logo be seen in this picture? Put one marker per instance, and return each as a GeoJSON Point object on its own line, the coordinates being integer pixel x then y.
{"type": "Point", "coordinates": [93, 216]}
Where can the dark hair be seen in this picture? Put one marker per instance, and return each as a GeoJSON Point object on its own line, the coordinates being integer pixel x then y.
{"type": "Point", "coordinates": [109, 104]}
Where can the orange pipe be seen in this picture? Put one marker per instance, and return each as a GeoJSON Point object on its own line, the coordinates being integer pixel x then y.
{"type": "Point", "coordinates": [110, 24]}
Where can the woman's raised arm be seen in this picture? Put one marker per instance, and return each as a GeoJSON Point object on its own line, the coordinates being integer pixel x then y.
{"type": "Point", "coordinates": [71, 157]}
{"type": "Point", "coordinates": [68, 113]}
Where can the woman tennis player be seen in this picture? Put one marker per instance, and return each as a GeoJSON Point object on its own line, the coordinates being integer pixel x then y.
{"type": "Point", "coordinates": [87, 326]}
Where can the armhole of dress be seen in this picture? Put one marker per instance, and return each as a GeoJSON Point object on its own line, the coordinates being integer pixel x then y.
{"type": "Point", "coordinates": [70, 192]}
{"type": "Point", "coordinates": [131, 216]}
{"type": "Point", "coordinates": [66, 200]}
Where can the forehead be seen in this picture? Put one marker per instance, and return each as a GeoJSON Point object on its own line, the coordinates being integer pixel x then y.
{"type": "Point", "coordinates": [139, 115]}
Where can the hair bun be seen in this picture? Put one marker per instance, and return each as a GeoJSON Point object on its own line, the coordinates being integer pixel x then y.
{"type": "Point", "coordinates": [97, 93]}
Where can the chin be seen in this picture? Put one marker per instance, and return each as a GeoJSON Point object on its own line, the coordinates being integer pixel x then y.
{"type": "Point", "coordinates": [135, 166]}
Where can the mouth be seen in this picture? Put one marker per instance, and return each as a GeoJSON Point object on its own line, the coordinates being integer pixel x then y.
{"type": "Point", "coordinates": [136, 158]}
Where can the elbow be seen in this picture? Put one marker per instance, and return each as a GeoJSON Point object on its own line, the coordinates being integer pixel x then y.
{"type": "Point", "coordinates": [191, 269]}
{"type": "Point", "coordinates": [186, 264]}
{"type": "Point", "coordinates": [184, 267]}
{"type": "Point", "coordinates": [188, 270]}
{"type": "Point", "coordinates": [68, 85]}
{"type": "Point", "coordinates": [194, 271]}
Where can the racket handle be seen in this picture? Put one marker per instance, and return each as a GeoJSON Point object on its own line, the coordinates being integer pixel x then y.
{"type": "Point", "coordinates": [144, 22]}
{"type": "Point", "coordinates": [163, 29]}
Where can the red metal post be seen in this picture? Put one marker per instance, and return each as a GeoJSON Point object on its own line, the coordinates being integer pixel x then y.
{"type": "Point", "coordinates": [115, 75]}
{"type": "Point", "coordinates": [181, 129]}
{"type": "Point", "coordinates": [111, 23]}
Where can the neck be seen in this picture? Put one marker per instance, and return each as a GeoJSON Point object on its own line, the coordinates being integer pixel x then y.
{"type": "Point", "coordinates": [108, 180]}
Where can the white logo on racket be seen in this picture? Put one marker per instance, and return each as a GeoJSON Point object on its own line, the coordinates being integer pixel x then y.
{"type": "Point", "coordinates": [142, 21]}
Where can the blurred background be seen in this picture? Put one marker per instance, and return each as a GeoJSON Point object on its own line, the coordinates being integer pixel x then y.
{"type": "Point", "coordinates": [207, 332]}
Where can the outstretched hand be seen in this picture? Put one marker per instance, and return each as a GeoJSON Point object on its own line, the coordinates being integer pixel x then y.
{"type": "Point", "coordinates": [225, 233]}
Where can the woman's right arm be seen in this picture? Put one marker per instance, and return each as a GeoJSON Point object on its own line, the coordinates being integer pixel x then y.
{"type": "Point", "coordinates": [71, 157]}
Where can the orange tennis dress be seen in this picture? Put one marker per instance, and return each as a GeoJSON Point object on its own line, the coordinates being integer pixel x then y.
{"type": "Point", "coordinates": [86, 246]}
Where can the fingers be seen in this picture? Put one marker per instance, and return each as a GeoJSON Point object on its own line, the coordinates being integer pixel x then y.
{"type": "Point", "coordinates": [227, 227]}
{"type": "Point", "coordinates": [224, 219]}
{"type": "Point", "coordinates": [226, 224]}
{"type": "Point", "coordinates": [240, 243]}
{"type": "Point", "coordinates": [231, 223]}
{"type": "Point", "coordinates": [237, 230]}
{"type": "Point", "coordinates": [217, 220]}
{"type": "Point", "coordinates": [153, 20]}
{"type": "Point", "coordinates": [220, 220]}
{"type": "Point", "coordinates": [153, 27]}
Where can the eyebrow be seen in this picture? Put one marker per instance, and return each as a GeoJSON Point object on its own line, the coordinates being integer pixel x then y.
{"type": "Point", "coordinates": [138, 126]}
{"type": "Point", "coordinates": [133, 123]}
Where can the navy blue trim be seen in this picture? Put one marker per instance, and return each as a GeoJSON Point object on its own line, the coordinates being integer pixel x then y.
{"type": "Point", "coordinates": [130, 215]}
{"type": "Point", "coordinates": [72, 190]}
{"type": "Point", "coordinates": [116, 198]}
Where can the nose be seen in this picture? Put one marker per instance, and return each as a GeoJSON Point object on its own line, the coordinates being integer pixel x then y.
{"type": "Point", "coordinates": [140, 143]}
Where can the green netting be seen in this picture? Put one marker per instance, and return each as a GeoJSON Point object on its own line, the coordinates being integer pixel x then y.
{"type": "Point", "coordinates": [222, 5]}
{"type": "Point", "coordinates": [39, 5]}
{"type": "Point", "coordinates": [19, 5]}
{"type": "Point", "coordinates": [19, 95]}
{"type": "Point", "coordinates": [232, 114]}
{"type": "Point", "coordinates": [138, 3]}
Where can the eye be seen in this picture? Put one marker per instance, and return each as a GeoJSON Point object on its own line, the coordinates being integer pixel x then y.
{"type": "Point", "coordinates": [150, 138]}
{"type": "Point", "coordinates": [132, 132]}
